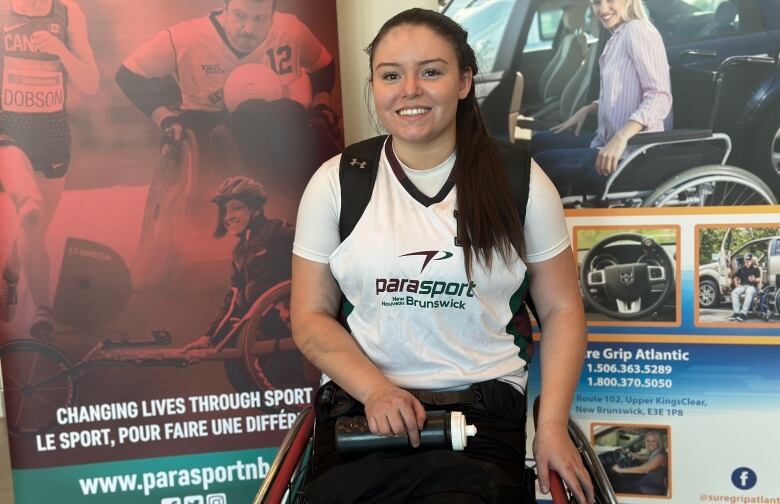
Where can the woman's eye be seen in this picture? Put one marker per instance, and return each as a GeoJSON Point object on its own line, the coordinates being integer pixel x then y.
{"type": "Point", "coordinates": [390, 76]}
{"type": "Point", "coordinates": [431, 72]}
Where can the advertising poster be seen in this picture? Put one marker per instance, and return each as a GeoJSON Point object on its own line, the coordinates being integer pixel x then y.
{"type": "Point", "coordinates": [700, 393]}
{"type": "Point", "coordinates": [152, 156]}
{"type": "Point", "coordinates": [678, 247]}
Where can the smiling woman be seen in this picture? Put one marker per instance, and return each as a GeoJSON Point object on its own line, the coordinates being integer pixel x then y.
{"type": "Point", "coordinates": [433, 278]}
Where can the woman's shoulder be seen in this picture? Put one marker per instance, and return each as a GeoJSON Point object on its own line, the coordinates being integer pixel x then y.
{"type": "Point", "coordinates": [642, 28]}
{"type": "Point", "coordinates": [326, 178]}
{"type": "Point", "coordinates": [329, 167]}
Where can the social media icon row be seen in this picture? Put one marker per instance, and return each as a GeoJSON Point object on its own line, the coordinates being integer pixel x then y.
{"type": "Point", "coordinates": [217, 498]}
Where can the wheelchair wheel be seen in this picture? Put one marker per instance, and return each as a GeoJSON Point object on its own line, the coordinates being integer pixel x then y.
{"type": "Point", "coordinates": [270, 360]}
{"type": "Point", "coordinates": [168, 207]}
{"type": "Point", "coordinates": [712, 185]}
{"type": "Point", "coordinates": [777, 302]}
{"type": "Point", "coordinates": [37, 382]}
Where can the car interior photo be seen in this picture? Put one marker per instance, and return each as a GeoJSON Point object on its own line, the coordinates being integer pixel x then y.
{"type": "Point", "coordinates": [629, 276]}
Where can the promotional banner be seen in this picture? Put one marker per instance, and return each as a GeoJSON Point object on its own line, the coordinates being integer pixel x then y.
{"type": "Point", "coordinates": [687, 381]}
{"type": "Point", "coordinates": [152, 156]}
{"type": "Point", "coordinates": [675, 231]}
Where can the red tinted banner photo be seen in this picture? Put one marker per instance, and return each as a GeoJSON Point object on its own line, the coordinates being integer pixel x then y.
{"type": "Point", "coordinates": [152, 156]}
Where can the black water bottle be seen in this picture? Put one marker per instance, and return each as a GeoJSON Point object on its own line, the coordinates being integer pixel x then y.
{"type": "Point", "coordinates": [442, 430]}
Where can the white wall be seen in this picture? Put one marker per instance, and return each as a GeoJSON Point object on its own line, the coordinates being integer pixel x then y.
{"type": "Point", "coordinates": [358, 22]}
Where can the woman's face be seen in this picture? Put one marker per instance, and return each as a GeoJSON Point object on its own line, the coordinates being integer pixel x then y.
{"type": "Point", "coordinates": [417, 84]}
{"type": "Point", "coordinates": [237, 216]}
{"type": "Point", "coordinates": [609, 12]}
{"type": "Point", "coordinates": [651, 443]}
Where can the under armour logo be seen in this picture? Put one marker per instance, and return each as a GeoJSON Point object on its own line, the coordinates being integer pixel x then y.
{"type": "Point", "coordinates": [355, 162]}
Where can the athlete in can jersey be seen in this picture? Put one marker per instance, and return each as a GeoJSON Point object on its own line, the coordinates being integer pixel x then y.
{"type": "Point", "coordinates": [432, 276]}
{"type": "Point", "coordinates": [44, 48]}
{"type": "Point", "coordinates": [199, 54]}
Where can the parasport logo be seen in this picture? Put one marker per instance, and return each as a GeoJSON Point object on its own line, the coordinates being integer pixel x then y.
{"type": "Point", "coordinates": [429, 255]}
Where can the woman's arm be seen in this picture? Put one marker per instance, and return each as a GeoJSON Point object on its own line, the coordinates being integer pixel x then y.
{"type": "Point", "coordinates": [564, 339]}
{"type": "Point", "coordinates": [650, 465]}
{"type": "Point", "coordinates": [322, 339]}
{"type": "Point", "coordinates": [647, 53]}
{"type": "Point", "coordinates": [78, 60]}
{"type": "Point", "coordinates": [608, 158]}
{"type": "Point", "coordinates": [577, 120]}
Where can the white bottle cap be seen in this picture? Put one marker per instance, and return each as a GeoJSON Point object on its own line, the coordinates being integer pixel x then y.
{"type": "Point", "coordinates": [460, 431]}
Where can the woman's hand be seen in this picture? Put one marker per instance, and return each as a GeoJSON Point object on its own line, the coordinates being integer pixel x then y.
{"type": "Point", "coordinates": [45, 42]}
{"type": "Point", "coordinates": [617, 469]}
{"type": "Point", "coordinates": [609, 157]}
{"type": "Point", "coordinates": [554, 450]}
{"type": "Point", "coordinates": [576, 121]}
{"type": "Point", "coordinates": [392, 411]}
{"type": "Point", "coordinates": [201, 342]}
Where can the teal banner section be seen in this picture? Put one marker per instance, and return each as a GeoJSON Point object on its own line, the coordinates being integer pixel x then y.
{"type": "Point", "coordinates": [230, 477]}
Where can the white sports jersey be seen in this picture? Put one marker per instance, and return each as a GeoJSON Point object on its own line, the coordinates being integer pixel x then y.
{"type": "Point", "coordinates": [409, 304]}
{"type": "Point", "coordinates": [199, 55]}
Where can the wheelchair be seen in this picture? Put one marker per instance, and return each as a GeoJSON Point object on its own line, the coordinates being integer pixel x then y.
{"type": "Point", "coordinates": [259, 139]}
{"type": "Point", "coordinates": [287, 475]}
{"type": "Point", "coordinates": [677, 168]}
{"type": "Point", "coordinates": [765, 303]}
{"type": "Point", "coordinates": [257, 352]}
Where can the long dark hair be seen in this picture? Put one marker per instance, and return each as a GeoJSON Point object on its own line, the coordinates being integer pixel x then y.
{"type": "Point", "coordinates": [487, 218]}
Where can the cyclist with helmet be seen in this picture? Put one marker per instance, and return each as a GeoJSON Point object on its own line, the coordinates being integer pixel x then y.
{"type": "Point", "coordinates": [261, 258]}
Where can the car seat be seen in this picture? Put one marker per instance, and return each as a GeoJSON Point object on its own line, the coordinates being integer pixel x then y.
{"type": "Point", "coordinates": [723, 22]}
{"type": "Point", "coordinates": [568, 56]}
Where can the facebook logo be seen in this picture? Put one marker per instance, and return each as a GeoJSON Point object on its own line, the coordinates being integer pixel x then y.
{"type": "Point", "coordinates": [171, 500]}
{"type": "Point", "coordinates": [744, 478]}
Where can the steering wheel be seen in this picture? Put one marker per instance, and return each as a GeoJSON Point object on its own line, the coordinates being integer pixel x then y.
{"type": "Point", "coordinates": [622, 459]}
{"type": "Point", "coordinates": [630, 286]}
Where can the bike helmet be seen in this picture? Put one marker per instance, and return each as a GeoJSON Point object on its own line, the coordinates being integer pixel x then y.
{"type": "Point", "coordinates": [242, 188]}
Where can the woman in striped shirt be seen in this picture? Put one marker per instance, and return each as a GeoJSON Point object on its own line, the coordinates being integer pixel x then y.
{"type": "Point", "coordinates": [635, 97]}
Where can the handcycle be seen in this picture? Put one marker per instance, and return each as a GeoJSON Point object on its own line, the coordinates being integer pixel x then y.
{"type": "Point", "coordinates": [265, 140]}
{"type": "Point", "coordinates": [257, 350]}
{"type": "Point", "coordinates": [287, 475]}
{"type": "Point", "coordinates": [677, 168]}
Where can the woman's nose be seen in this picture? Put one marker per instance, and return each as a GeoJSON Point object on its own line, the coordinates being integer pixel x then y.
{"type": "Point", "coordinates": [411, 87]}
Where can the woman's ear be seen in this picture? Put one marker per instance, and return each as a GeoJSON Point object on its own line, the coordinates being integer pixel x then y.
{"type": "Point", "coordinates": [466, 77]}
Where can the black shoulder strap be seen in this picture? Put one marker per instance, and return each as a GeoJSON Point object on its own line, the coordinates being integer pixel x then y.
{"type": "Point", "coordinates": [517, 163]}
{"type": "Point", "coordinates": [357, 174]}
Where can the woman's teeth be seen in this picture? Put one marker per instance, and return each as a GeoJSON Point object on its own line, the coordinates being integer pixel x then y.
{"type": "Point", "coordinates": [413, 111]}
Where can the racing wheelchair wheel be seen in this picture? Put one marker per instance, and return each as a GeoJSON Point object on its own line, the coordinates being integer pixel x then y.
{"type": "Point", "coordinates": [169, 205]}
{"type": "Point", "coordinates": [270, 360]}
{"type": "Point", "coordinates": [711, 185]}
{"type": "Point", "coordinates": [38, 381]}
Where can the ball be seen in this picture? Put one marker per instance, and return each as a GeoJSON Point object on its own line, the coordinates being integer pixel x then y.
{"type": "Point", "coordinates": [251, 81]}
